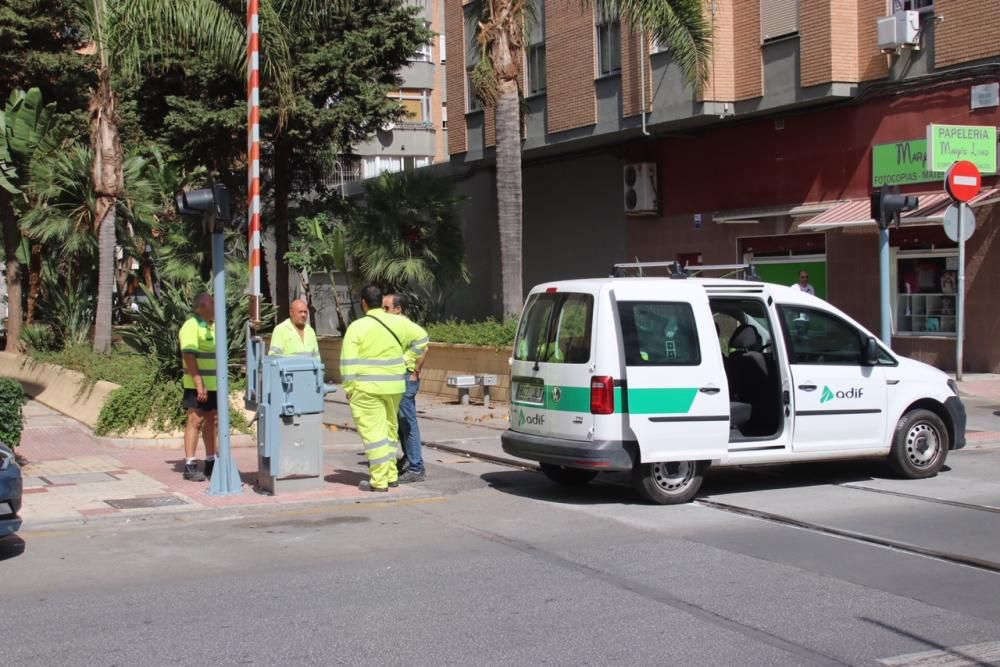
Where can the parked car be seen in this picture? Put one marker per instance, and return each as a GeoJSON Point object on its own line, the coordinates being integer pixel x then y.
{"type": "Point", "coordinates": [10, 492]}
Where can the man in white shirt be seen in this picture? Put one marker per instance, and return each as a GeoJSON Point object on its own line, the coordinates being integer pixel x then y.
{"type": "Point", "coordinates": [803, 283]}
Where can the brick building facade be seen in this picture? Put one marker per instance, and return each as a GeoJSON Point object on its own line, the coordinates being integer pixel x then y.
{"type": "Point", "coordinates": [771, 161]}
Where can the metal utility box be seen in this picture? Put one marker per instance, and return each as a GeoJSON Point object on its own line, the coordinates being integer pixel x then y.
{"type": "Point", "coordinates": [287, 393]}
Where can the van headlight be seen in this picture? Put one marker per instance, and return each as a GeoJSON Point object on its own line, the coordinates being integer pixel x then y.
{"type": "Point", "coordinates": [953, 386]}
{"type": "Point", "coordinates": [6, 457]}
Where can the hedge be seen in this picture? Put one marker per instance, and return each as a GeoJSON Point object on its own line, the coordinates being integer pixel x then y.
{"type": "Point", "coordinates": [12, 399]}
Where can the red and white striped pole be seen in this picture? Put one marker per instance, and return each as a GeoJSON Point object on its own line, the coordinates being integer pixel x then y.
{"type": "Point", "coordinates": [253, 155]}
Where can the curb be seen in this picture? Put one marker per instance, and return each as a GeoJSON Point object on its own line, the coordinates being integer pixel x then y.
{"type": "Point", "coordinates": [235, 440]}
{"type": "Point", "coordinates": [500, 460]}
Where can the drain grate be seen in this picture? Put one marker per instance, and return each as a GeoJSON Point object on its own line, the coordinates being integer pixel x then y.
{"type": "Point", "coordinates": [152, 501]}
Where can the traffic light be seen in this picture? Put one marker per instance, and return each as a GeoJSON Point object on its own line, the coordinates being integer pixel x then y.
{"type": "Point", "coordinates": [886, 206]}
{"type": "Point", "coordinates": [206, 200]}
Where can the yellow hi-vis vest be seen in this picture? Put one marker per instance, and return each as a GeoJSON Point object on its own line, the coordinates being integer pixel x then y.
{"type": "Point", "coordinates": [197, 337]}
{"type": "Point", "coordinates": [372, 356]}
{"type": "Point", "coordinates": [285, 341]}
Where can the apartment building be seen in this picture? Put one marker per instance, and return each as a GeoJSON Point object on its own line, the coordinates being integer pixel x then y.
{"type": "Point", "coordinates": [419, 139]}
{"type": "Point", "coordinates": [809, 104]}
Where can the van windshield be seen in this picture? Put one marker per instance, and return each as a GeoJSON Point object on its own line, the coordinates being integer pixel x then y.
{"type": "Point", "coordinates": [555, 329]}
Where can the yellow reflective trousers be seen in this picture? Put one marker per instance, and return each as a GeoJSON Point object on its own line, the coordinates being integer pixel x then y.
{"type": "Point", "coordinates": [375, 417]}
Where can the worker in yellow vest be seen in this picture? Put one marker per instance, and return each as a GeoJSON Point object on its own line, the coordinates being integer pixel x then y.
{"type": "Point", "coordinates": [411, 466]}
{"type": "Point", "coordinates": [373, 371]}
{"type": "Point", "coordinates": [197, 342]}
{"type": "Point", "coordinates": [294, 336]}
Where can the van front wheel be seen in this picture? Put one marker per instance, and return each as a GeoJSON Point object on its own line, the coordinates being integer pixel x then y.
{"type": "Point", "coordinates": [668, 483]}
{"type": "Point", "coordinates": [919, 445]}
{"type": "Point", "coordinates": [567, 476]}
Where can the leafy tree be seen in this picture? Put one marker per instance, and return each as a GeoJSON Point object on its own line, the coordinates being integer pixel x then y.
{"type": "Point", "coordinates": [320, 246]}
{"type": "Point", "coordinates": [681, 24]}
{"type": "Point", "coordinates": [28, 137]}
{"type": "Point", "coordinates": [409, 237]}
{"type": "Point", "coordinates": [346, 62]}
{"type": "Point", "coordinates": [118, 31]}
{"type": "Point", "coordinates": [41, 46]}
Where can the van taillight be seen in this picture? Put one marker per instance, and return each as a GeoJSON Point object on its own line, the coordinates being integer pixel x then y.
{"type": "Point", "coordinates": [602, 395]}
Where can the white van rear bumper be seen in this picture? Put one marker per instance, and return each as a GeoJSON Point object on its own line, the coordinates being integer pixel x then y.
{"type": "Point", "coordinates": [589, 455]}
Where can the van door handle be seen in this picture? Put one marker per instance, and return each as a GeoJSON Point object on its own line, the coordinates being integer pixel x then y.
{"type": "Point", "coordinates": [710, 390]}
{"type": "Point", "coordinates": [807, 387]}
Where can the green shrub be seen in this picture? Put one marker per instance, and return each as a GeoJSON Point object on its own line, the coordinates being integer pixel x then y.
{"type": "Point", "coordinates": [490, 332]}
{"type": "Point", "coordinates": [38, 337]}
{"type": "Point", "coordinates": [145, 401]}
{"type": "Point", "coordinates": [11, 417]}
{"type": "Point", "coordinates": [119, 367]}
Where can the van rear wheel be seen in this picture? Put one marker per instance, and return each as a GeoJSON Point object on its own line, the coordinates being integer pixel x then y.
{"type": "Point", "coordinates": [669, 483]}
{"type": "Point", "coordinates": [567, 476]}
{"type": "Point", "coordinates": [919, 445]}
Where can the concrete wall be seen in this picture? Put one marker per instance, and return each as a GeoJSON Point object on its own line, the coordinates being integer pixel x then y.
{"type": "Point", "coordinates": [442, 361]}
{"type": "Point", "coordinates": [57, 388]}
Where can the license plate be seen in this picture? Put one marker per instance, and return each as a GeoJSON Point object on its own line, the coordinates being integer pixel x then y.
{"type": "Point", "coordinates": [530, 393]}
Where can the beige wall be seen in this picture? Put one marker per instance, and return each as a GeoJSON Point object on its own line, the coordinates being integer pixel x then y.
{"type": "Point", "coordinates": [442, 361]}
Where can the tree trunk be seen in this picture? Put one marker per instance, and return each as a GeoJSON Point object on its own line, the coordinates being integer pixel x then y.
{"type": "Point", "coordinates": [11, 240]}
{"type": "Point", "coordinates": [34, 281]}
{"type": "Point", "coordinates": [508, 184]}
{"type": "Point", "coordinates": [282, 193]}
{"type": "Point", "coordinates": [108, 186]}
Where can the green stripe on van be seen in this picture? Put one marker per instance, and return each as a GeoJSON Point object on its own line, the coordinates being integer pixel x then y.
{"type": "Point", "coordinates": [654, 401]}
{"type": "Point", "coordinates": [661, 401]}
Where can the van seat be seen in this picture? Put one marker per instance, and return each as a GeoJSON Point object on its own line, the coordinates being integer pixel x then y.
{"type": "Point", "coordinates": [739, 413]}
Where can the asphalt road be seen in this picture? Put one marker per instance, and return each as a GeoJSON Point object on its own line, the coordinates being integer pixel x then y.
{"type": "Point", "coordinates": [497, 566]}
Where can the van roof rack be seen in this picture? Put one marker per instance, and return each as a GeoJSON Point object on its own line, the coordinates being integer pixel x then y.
{"type": "Point", "coordinates": [749, 271]}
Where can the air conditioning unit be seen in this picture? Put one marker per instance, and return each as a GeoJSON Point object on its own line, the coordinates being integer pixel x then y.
{"type": "Point", "coordinates": [902, 29]}
{"type": "Point", "coordinates": [640, 189]}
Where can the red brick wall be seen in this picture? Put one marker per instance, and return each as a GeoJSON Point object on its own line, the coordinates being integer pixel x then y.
{"type": "Point", "coordinates": [454, 30]}
{"type": "Point", "coordinates": [749, 68]}
{"type": "Point", "coordinates": [828, 39]}
{"type": "Point", "coordinates": [872, 63]}
{"type": "Point", "coordinates": [570, 52]}
{"type": "Point", "coordinates": [969, 31]}
{"type": "Point", "coordinates": [721, 84]}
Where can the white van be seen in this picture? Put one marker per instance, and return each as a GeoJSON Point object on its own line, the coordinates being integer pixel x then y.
{"type": "Point", "coordinates": [666, 376]}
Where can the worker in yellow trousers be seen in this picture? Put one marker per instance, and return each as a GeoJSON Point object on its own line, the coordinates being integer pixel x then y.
{"type": "Point", "coordinates": [373, 371]}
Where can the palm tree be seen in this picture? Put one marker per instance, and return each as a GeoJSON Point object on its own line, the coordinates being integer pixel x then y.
{"type": "Point", "coordinates": [679, 23]}
{"type": "Point", "coordinates": [118, 31]}
{"type": "Point", "coordinates": [409, 237]}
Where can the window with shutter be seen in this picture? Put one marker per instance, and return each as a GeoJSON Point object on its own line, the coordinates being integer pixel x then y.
{"type": "Point", "coordinates": [778, 18]}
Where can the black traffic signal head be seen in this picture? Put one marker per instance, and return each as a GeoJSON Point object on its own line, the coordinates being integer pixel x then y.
{"type": "Point", "coordinates": [206, 200]}
{"type": "Point", "coordinates": [885, 205]}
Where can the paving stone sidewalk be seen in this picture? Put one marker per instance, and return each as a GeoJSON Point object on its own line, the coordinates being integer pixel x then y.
{"type": "Point", "coordinates": [71, 475]}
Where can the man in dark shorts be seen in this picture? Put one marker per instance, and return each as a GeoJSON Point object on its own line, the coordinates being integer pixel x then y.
{"type": "Point", "coordinates": [197, 340]}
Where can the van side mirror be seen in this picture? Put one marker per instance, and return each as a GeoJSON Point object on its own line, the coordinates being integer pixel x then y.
{"type": "Point", "coordinates": [870, 353]}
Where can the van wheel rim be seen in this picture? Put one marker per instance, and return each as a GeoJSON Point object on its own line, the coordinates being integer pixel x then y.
{"type": "Point", "coordinates": [674, 476]}
{"type": "Point", "coordinates": [923, 443]}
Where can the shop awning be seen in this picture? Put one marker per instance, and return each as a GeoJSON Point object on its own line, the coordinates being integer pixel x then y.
{"type": "Point", "coordinates": [754, 215]}
{"type": "Point", "coordinates": [857, 212]}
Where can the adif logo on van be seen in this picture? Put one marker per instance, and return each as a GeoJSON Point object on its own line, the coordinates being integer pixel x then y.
{"type": "Point", "coordinates": [531, 420]}
{"type": "Point", "coordinates": [829, 395]}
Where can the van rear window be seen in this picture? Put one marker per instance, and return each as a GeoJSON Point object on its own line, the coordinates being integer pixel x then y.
{"type": "Point", "coordinates": [555, 329]}
{"type": "Point", "coordinates": [658, 333]}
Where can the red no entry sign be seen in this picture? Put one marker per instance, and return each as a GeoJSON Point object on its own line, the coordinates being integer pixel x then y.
{"type": "Point", "coordinates": [963, 181]}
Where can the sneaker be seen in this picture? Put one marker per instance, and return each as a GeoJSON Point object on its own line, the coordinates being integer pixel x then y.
{"type": "Point", "coordinates": [393, 485]}
{"type": "Point", "coordinates": [209, 467]}
{"type": "Point", "coordinates": [365, 485]}
{"type": "Point", "coordinates": [410, 477]}
{"type": "Point", "coordinates": [192, 474]}
{"type": "Point", "coordinates": [402, 465]}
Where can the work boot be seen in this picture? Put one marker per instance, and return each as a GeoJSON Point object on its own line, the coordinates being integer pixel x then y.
{"type": "Point", "coordinates": [365, 485]}
{"type": "Point", "coordinates": [410, 477]}
{"type": "Point", "coordinates": [209, 467]}
{"type": "Point", "coordinates": [192, 474]}
{"type": "Point", "coordinates": [402, 465]}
